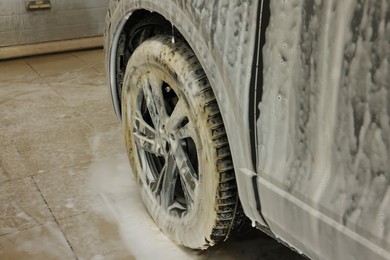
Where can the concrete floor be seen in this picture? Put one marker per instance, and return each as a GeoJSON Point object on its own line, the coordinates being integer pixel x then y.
{"type": "Point", "coordinates": [66, 190]}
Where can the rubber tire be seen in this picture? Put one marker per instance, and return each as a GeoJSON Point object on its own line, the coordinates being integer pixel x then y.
{"type": "Point", "coordinates": [213, 216]}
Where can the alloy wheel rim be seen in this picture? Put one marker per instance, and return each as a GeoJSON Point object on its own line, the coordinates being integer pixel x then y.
{"type": "Point", "coordinates": [167, 143]}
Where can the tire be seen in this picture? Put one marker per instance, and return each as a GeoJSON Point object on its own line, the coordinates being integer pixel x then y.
{"type": "Point", "coordinates": [177, 145]}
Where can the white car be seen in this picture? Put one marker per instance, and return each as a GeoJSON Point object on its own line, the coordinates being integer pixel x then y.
{"type": "Point", "coordinates": [275, 111]}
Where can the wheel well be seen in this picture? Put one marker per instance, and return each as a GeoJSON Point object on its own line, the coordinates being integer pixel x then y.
{"type": "Point", "coordinates": [141, 25]}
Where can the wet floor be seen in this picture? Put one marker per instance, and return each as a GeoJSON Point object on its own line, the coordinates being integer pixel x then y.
{"type": "Point", "coordinates": [66, 190]}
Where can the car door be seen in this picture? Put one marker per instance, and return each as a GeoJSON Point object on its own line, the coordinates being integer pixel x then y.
{"type": "Point", "coordinates": [323, 131]}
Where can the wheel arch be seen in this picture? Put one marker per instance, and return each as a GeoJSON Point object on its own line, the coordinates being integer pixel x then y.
{"type": "Point", "coordinates": [130, 15]}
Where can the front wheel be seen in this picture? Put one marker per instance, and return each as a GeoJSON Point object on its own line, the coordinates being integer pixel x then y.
{"type": "Point", "coordinates": [177, 145]}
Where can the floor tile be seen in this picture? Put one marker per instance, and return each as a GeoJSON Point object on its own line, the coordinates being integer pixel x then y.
{"type": "Point", "coordinates": [55, 64]}
{"type": "Point", "coordinates": [66, 191]}
{"type": "Point", "coordinates": [98, 113]}
{"type": "Point", "coordinates": [26, 95]}
{"type": "Point", "coordinates": [69, 192]}
{"type": "Point", "coordinates": [16, 122]}
{"type": "Point", "coordinates": [12, 165]}
{"type": "Point", "coordinates": [43, 242]}
{"type": "Point", "coordinates": [84, 76]}
{"type": "Point", "coordinates": [28, 107]}
{"type": "Point", "coordinates": [94, 237]}
{"type": "Point", "coordinates": [92, 101]}
{"type": "Point", "coordinates": [16, 71]}
{"type": "Point", "coordinates": [112, 179]}
{"type": "Point", "coordinates": [94, 58]}
{"type": "Point", "coordinates": [3, 175]}
{"type": "Point", "coordinates": [91, 57]}
{"type": "Point", "coordinates": [101, 68]}
{"type": "Point", "coordinates": [107, 141]}
{"type": "Point", "coordinates": [55, 146]}
{"type": "Point", "coordinates": [85, 93]}
{"type": "Point", "coordinates": [21, 206]}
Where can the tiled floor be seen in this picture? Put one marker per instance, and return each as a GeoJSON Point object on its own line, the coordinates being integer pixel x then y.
{"type": "Point", "coordinates": [66, 190]}
{"type": "Point", "coordinates": [56, 119]}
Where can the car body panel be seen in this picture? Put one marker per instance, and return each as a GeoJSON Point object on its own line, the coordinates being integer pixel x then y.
{"type": "Point", "coordinates": [324, 128]}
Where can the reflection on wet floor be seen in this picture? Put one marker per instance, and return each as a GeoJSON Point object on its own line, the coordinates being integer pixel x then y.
{"type": "Point", "coordinates": [66, 190]}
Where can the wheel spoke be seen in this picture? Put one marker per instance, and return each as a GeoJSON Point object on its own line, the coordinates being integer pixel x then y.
{"type": "Point", "coordinates": [157, 184]}
{"type": "Point", "coordinates": [144, 128]}
{"type": "Point", "coordinates": [175, 122]}
{"type": "Point", "coordinates": [146, 168]}
{"type": "Point", "coordinates": [145, 136]}
{"type": "Point", "coordinates": [154, 101]}
{"type": "Point", "coordinates": [188, 176]}
{"type": "Point", "coordinates": [167, 181]}
{"type": "Point", "coordinates": [186, 131]}
{"type": "Point", "coordinates": [177, 117]}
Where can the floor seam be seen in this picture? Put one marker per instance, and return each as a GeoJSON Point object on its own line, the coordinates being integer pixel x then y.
{"type": "Point", "coordinates": [28, 228]}
{"type": "Point", "coordinates": [28, 64]}
{"type": "Point", "coordinates": [55, 219]}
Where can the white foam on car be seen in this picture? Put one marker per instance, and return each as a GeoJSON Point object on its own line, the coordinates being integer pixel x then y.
{"type": "Point", "coordinates": [324, 126]}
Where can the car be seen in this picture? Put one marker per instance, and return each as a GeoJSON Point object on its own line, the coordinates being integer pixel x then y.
{"type": "Point", "coordinates": [276, 112]}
